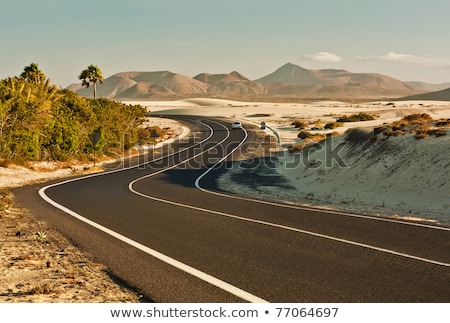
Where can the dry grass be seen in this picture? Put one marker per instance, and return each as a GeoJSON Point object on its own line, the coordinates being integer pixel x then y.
{"type": "Point", "coordinates": [420, 125]}
{"type": "Point", "coordinates": [6, 200]}
{"type": "Point", "coordinates": [299, 124]}
{"type": "Point", "coordinates": [48, 270]}
{"type": "Point", "coordinates": [356, 117]}
{"type": "Point", "coordinates": [309, 139]}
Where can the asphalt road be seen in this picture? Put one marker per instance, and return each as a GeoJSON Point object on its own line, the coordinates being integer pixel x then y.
{"type": "Point", "coordinates": [165, 229]}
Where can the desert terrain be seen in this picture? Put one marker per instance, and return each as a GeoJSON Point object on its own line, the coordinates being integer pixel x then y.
{"type": "Point", "coordinates": [397, 176]}
{"type": "Point", "coordinates": [389, 175]}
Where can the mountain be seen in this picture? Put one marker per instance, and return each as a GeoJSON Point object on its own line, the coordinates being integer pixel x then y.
{"type": "Point", "coordinates": [145, 85]}
{"type": "Point", "coordinates": [287, 82]}
{"type": "Point", "coordinates": [429, 87]}
{"type": "Point", "coordinates": [293, 79]}
{"type": "Point", "coordinates": [230, 84]}
{"type": "Point", "coordinates": [290, 74]}
{"type": "Point", "coordinates": [443, 95]}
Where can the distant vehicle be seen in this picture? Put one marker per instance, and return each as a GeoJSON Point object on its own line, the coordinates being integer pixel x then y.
{"type": "Point", "coordinates": [236, 125]}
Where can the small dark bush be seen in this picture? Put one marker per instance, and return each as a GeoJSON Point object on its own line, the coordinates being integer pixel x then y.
{"type": "Point", "coordinates": [379, 130]}
{"type": "Point", "coordinates": [438, 132]}
{"type": "Point", "coordinates": [304, 135]}
{"type": "Point", "coordinates": [299, 124]}
{"type": "Point", "coordinates": [333, 125]}
{"type": "Point", "coordinates": [442, 123]}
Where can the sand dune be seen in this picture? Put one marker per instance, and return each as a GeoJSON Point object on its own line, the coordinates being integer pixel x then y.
{"type": "Point", "coordinates": [374, 174]}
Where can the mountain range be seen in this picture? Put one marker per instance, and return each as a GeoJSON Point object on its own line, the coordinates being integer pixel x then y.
{"type": "Point", "coordinates": [288, 81]}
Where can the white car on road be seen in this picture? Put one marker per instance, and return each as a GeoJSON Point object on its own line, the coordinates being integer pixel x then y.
{"type": "Point", "coordinates": [236, 125]}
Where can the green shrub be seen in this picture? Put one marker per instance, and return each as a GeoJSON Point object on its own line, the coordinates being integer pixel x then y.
{"type": "Point", "coordinates": [40, 122]}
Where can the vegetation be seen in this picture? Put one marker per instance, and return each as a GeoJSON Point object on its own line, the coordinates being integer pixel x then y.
{"type": "Point", "coordinates": [306, 135]}
{"type": "Point", "coordinates": [91, 75]}
{"type": "Point", "coordinates": [333, 125]}
{"type": "Point", "coordinates": [299, 124]}
{"type": "Point", "coordinates": [40, 122]}
{"type": "Point", "coordinates": [421, 125]}
{"type": "Point", "coordinates": [308, 139]}
{"type": "Point", "coordinates": [259, 115]}
{"type": "Point", "coordinates": [6, 200]}
{"type": "Point", "coordinates": [145, 135]}
{"type": "Point", "coordinates": [356, 117]}
{"type": "Point", "coordinates": [32, 73]}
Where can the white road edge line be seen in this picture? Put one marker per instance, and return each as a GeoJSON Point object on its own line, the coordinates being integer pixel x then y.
{"type": "Point", "coordinates": [197, 184]}
{"type": "Point", "coordinates": [199, 274]}
{"type": "Point", "coordinates": [297, 207]}
{"type": "Point", "coordinates": [173, 262]}
{"type": "Point", "coordinates": [273, 224]}
{"type": "Point", "coordinates": [296, 230]}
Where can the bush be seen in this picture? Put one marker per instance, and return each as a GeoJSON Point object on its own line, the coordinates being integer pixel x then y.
{"type": "Point", "coordinates": [444, 123]}
{"type": "Point", "coordinates": [421, 135]}
{"type": "Point", "coordinates": [439, 132]}
{"type": "Point", "coordinates": [40, 122]}
{"type": "Point", "coordinates": [356, 117]}
{"type": "Point", "coordinates": [299, 124]}
{"type": "Point", "coordinates": [378, 130]}
{"type": "Point", "coordinates": [304, 135]}
{"type": "Point", "coordinates": [418, 118]}
{"type": "Point", "coordinates": [145, 135]}
{"type": "Point", "coordinates": [333, 125]}
{"type": "Point", "coordinates": [419, 124]}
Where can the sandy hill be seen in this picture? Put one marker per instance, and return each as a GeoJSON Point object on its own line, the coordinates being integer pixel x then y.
{"type": "Point", "coordinates": [443, 95]}
{"type": "Point", "coordinates": [428, 87]}
{"type": "Point", "coordinates": [374, 174]}
{"type": "Point", "coordinates": [233, 84]}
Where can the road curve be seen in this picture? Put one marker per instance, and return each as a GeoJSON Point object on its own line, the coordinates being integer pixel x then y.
{"type": "Point", "coordinates": [164, 228]}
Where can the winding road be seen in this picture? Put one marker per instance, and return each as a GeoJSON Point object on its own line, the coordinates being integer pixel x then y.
{"type": "Point", "coordinates": [160, 224]}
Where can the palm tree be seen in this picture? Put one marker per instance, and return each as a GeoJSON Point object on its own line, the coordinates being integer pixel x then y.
{"type": "Point", "coordinates": [32, 73]}
{"type": "Point", "coordinates": [91, 75]}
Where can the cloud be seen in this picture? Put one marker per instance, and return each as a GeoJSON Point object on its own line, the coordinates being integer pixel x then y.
{"type": "Point", "coordinates": [322, 57]}
{"type": "Point", "coordinates": [408, 59]}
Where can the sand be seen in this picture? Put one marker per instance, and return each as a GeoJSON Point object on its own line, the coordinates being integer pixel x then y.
{"type": "Point", "coordinates": [38, 265]}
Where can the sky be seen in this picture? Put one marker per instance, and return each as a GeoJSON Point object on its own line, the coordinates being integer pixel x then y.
{"type": "Point", "coordinates": [405, 39]}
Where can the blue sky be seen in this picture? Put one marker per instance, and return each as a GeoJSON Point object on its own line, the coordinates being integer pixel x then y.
{"type": "Point", "coordinates": [406, 39]}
